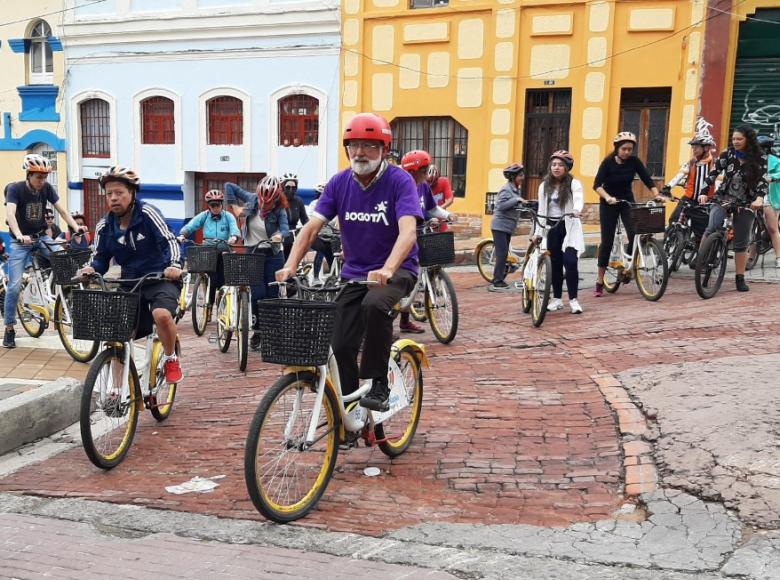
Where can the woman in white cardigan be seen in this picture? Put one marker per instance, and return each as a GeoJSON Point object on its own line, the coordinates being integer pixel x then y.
{"type": "Point", "coordinates": [559, 194]}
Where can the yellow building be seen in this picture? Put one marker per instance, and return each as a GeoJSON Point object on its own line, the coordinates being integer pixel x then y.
{"type": "Point", "coordinates": [483, 83]}
{"type": "Point", "coordinates": [31, 61]}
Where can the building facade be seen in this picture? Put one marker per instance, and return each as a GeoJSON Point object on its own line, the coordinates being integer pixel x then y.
{"type": "Point", "coordinates": [32, 65]}
{"type": "Point", "coordinates": [193, 93]}
{"type": "Point", "coordinates": [483, 83]}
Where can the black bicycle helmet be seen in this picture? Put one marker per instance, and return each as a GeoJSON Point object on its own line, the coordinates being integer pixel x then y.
{"type": "Point", "coordinates": [513, 171]}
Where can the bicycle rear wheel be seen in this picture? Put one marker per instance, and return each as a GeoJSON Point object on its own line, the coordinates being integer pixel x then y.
{"type": "Point", "coordinates": [651, 270]}
{"type": "Point", "coordinates": [224, 334]}
{"type": "Point", "coordinates": [711, 265]}
{"type": "Point", "coordinates": [242, 340]}
{"type": "Point", "coordinates": [542, 289]}
{"type": "Point", "coordinates": [527, 296]}
{"type": "Point", "coordinates": [613, 275]}
{"type": "Point", "coordinates": [108, 418]}
{"type": "Point", "coordinates": [674, 244]}
{"type": "Point", "coordinates": [756, 244]}
{"type": "Point", "coordinates": [441, 306]}
{"type": "Point", "coordinates": [284, 476]}
{"type": "Point", "coordinates": [200, 304]}
{"type": "Point", "coordinates": [398, 430]}
{"type": "Point", "coordinates": [162, 392]}
{"type": "Point", "coordinates": [32, 321]}
{"type": "Point", "coordinates": [486, 259]}
{"type": "Point", "coordinates": [79, 350]}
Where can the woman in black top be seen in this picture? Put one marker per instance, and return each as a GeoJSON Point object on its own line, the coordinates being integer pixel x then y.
{"type": "Point", "coordinates": [744, 167]}
{"type": "Point", "coordinates": [613, 182]}
{"type": "Point", "coordinates": [296, 212]}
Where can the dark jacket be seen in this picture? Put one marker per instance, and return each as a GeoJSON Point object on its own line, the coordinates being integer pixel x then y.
{"type": "Point", "coordinates": [728, 164]}
{"type": "Point", "coordinates": [147, 246]}
{"type": "Point", "coordinates": [506, 211]}
{"type": "Point", "coordinates": [275, 221]}
{"type": "Point", "coordinates": [617, 179]}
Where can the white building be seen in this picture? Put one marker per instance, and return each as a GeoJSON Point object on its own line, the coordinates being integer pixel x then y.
{"type": "Point", "coordinates": [193, 93]}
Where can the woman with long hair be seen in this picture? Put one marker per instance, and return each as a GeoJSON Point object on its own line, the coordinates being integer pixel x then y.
{"type": "Point", "coordinates": [744, 167]}
{"type": "Point", "coordinates": [561, 194]}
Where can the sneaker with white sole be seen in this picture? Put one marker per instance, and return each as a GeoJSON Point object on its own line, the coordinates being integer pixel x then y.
{"type": "Point", "coordinates": [777, 262]}
{"type": "Point", "coordinates": [555, 304]}
{"type": "Point", "coordinates": [575, 306]}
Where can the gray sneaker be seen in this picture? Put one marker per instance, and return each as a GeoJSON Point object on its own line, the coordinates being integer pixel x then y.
{"type": "Point", "coordinates": [9, 339]}
{"type": "Point", "coordinates": [499, 286]}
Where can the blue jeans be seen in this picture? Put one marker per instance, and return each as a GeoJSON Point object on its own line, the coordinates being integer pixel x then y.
{"type": "Point", "coordinates": [19, 256]}
{"type": "Point", "coordinates": [272, 264]}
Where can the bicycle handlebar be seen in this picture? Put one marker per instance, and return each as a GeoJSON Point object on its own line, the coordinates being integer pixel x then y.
{"type": "Point", "coordinates": [151, 277]}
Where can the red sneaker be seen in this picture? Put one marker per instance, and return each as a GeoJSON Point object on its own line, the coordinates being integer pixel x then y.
{"type": "Point", "coordinates": [411, 327]}
{"type": "Point", "coordinates": [172, 369]}
{"type": "Point", "coordinates": [598, 292]}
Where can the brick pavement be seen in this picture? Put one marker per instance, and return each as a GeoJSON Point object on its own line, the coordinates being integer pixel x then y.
{"type": "Point", "coordinates": [514, 427]}
{"type": "Point", "coordinates": [44, 364]}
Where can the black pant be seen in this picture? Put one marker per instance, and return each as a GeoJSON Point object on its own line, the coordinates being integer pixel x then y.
{"type": "Point", "coordinates": [501, 241]}
{"type": "Point", "coordinates": [608, 217]}
{"type": "Point", "coordinates": [562, 260]}
{"type": "Point", "coordinates": [696, 214]}
{"type": "Point", "coordinates": [365, 315]}
{"type": "Point", "coordinates": [217, 280]}
{"type": "Point", "coordinates": [323, 250]}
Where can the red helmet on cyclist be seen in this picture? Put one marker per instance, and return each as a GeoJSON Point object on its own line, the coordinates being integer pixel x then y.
{"type": "Point", "coordinates": [415, 160]}
{"type": "Point", "coordinates": [368, 126]}
{"type": "Point", "coordinates": [269, 190]}
{"type": "Point", "coordinates": [214, 195]}
{"type": "Point", "coordinates": [565, 157]}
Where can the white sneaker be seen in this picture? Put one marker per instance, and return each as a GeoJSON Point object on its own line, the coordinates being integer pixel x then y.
{"type": "Point", "coordinates": [555, 304]}
{"type": "Point", "coordinates": [575, 306]}
{"type": "Point", "coordinates": [777, 262]}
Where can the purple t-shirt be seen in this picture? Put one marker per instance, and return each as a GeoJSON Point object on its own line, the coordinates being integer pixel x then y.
{"type": "Point", "coordinates": [427, 203]}
{"type": "Point", "coordinates": [368, 219]}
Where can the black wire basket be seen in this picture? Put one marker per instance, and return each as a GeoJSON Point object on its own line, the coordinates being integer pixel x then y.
{"type": "Point", "coordinates": [436, 249]}
{"type": "Point", "coordinates": [101, 315]}
{"type": "Point", "coordinates": [295, 332]}
{"type": "Point", "coordinates": [66, 263]}
{"type": "Point", "coordinates": [202, 259]}
{"type": "Point", "coordinates": [648, 220]}
{"type": "Point", "coordinates": [243, 269]}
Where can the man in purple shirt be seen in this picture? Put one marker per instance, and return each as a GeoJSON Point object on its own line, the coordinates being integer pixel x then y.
{"type": "Point", "coordinates": [378, 209]}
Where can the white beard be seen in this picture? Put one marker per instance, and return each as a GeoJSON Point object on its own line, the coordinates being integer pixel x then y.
{"type": "Point", "coordinates": [366, 167]}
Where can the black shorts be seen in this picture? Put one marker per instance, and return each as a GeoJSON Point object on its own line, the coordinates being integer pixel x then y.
{"type": "Point", "coordinates": [156, 295]}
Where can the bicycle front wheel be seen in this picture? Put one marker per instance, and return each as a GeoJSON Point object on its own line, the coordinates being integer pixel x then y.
{"type": "Point", "coordinates": [200, 304]}
{"type": "Point", "coordinates": [80, 350]}
{"type": "Point", "coordinates": [109, 413]}
{"type": "Point", "coordinates": [285, 475]}
{"type": "Point", "coordinates": [541, 294]}
{"type": "Point", "coordinates": [711, 265]}
{"type": "Point", "coordinates": [242, 340]}
{"type": "Point", "coordinates": [397, 432]}
{"type": "Point", "coordinates": [651, 270]}
{"type": "Point", "coordinates": [754, 246]}
{"type": "Point", "coordinates": [441, 306]}
{"type": "Point", "coordinates": [161, 392]}
{"type": "Point", "coordinates": [224, 322]}
{"type": "Point", "coordinates": [486, 259]}
{"type": "Point", "coordinates": [527, 288]}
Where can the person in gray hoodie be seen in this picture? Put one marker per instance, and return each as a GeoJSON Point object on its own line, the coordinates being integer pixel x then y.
{"type": "Point", "coordinates": [505, 216]}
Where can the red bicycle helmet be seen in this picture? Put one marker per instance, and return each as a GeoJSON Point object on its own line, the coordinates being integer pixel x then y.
{"type": "Point", "coordinates": [368, 126]}
{"type": "Point", "coordinates": [214, 195]}
{"type": "Point", "coordinates": [269, 190]}
{"type": "Point", "coordinates": [564, 156]}
{"type": "Point", "coordinates": [415, 160]}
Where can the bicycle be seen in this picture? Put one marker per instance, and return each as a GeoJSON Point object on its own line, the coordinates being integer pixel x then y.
{"type": "Point", "coordinates": [202, 260]}
{"type": "Point", "coordinates": [113, 395]}
{"type": "Point", "coordinates": [234, 298]}
{"type": "Point", "coordinates": [760, 242]}
{"type": "Point", "coordinates": [302, 420]}
{"type": "Point", "coordinates": [434, 290]}
{"type": "Point", "coordinates": [45, 297]}
{"type": "Point", "coordinates": [646, 263]}
{"type": "Point", "coordinates": [681, 243]}
{"type": "Point", "coordinates": [537, 269]}
{"type": "Point", "coordinates": [714, 253]}
{"type": "Point", "coordinates": [484, 254]}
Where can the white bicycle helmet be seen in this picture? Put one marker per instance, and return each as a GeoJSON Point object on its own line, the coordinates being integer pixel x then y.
{"type": "Point", "coordinates": [34, 163]}
{"type": "Point", "coordinates": [624, 136]}
{"type": "Point", "coordinates": [122, 174]}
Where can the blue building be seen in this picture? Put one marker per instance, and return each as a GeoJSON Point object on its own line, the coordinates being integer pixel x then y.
{"type": "Point", "coordinates": [193, 93]}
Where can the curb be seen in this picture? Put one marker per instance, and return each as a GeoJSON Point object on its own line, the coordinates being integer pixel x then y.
{"type": "Point", "coordinates": [39, 413]}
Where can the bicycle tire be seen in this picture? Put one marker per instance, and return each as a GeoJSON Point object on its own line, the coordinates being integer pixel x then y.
{"type": "Point", "coordinates": [674, 244]}
{"type": "Point", "coordinates": [442, 317]}
{"type": "Point", "coordinates": [32, 321]}
{"type": "Point", "coordinates": [651, 287]}
{"type": "Point", "coordinates": [408, 361]}
{"type": "Point", "coordinates": [613, 275]}
{"type": "Point", "coordinates": [417, 307]}
{"type": "Point", "coordinates": [93, 441]}
{"type": "Point", "coordinates": [712, 258]}
{"type": "Point", "coordinates": [224, 335]}
{"type": "Point", "coordinates": [301, 386]}
{"type": "Point", "coordinates": [541, 293]}
{"type": "Point", "coordinates": [200, 304]}
{"type": "Point", "coordinates": [242, 340]}
{"type": "Point", "coordinates": [486, 259]}
{"type": "Point", "coordinates": [160, 387]}
{"type": "Point", "coordinates": [754, 246]}
{"type": "Point", "coordinates": [527, 294]}
{"type": "Point", "coordinates": [81, 351]}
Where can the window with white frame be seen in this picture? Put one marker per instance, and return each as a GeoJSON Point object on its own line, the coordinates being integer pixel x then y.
{"type": "Point", "coordinates": [40, 56]}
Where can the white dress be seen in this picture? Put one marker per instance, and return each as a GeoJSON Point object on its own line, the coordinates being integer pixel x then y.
{"type": "Point", "coordinates": [574, 236]}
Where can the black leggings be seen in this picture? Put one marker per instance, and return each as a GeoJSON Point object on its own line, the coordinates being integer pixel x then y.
{"type": "Point", "coordinates": [608, 216]}
{"type": "Point", "coordinates": [501, 251]}
{"type": "Point", "coordinates": [562, 260]}
{"type": "Point", "coordinates": [742, 220]}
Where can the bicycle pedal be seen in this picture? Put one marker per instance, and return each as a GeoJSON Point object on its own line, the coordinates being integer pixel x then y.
{"type": "Point", "coordinates": [347, 445]}
{"type": "Point", "coordinates": [212, 338]}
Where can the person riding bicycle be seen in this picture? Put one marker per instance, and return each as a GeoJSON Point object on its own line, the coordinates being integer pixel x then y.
{"type": "Point", "coordinates": [613, 183]}
{"type": "Point", "coordinates": [378, 209]}
{"type": "Point", "coordinates": [75, 239]}
{"type": "Point", "coordinates": [744, 167]}
{"type": "Point", "coordinates": [296, 209]}
{"type": "Point", "coordinates": [559, 194]}
{"type": "Point", "coordinates": [505, 215]}
{"type": "Point", "coordinates": [692, 175]}
{"type": "Point", "coordinates": [134, 234]}
{"type": "Point", "coordinates": [441, 188]}
{"type": "Point", "coordinates": [265, 220]}
{"type": "Point", "coordinates": [217, 224]}
{"type": "Point", "coordinates": [772, 200]}
{"type": "Point", "coordinates": [330, 230]}
{"type": "Point", "coordinates": [26, 204]}
{"type": "Point", "coordinates": [417, 163]}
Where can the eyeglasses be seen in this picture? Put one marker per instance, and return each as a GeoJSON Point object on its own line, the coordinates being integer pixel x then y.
{"type": "Point", "coordinates": [365, 145]}
{"type": "Point", "coordinates": [49, 217]}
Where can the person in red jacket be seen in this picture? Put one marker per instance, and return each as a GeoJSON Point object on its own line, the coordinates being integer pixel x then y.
{"type": "Point", "coordinates": [441, 190]}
